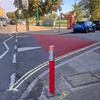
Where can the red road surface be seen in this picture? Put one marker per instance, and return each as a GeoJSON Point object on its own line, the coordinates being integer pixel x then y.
{"type": "Point", "coordinates": [63, 44]}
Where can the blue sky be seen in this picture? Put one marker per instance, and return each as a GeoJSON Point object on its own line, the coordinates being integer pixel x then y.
{"type": "Point", "coordinates": [8, 5]}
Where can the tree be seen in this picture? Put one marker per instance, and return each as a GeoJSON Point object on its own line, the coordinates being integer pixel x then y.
{"type": "Point", "coordinates": [91, 8]}
{"type": "Point", "coordinates": [43, 7]}
{"type": "Point", "coordinates": [95, 9]}
{"type": "Point", "coordinates": [38, 8]}
{"type": "Point", "coordinates": [85, 5]}
{"type": "Point", "coordinates": [78, 12]}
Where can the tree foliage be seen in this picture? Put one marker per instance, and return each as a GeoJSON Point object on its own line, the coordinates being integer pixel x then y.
{"type": "Point", "coordinates": [43, 7]}
{"type": "Point", "coordinates": [78, 12]}
{"type": "Point", "coordinates": [91, 7]}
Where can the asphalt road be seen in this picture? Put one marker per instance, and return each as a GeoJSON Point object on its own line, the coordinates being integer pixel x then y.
{"type": "Point", "coordinates": [20, 54]}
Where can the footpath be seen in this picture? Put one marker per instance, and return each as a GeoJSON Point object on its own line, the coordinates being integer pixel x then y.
{"type": "Point", "coordinates": [77, 78]}
{"type": "Point", "coordinates": [32, 29]}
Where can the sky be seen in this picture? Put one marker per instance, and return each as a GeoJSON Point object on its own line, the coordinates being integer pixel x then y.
{"type": "Point", "coordinates": [8, 5]}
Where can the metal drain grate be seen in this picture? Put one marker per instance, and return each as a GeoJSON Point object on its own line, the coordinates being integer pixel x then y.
{"type": "Point", "coordinates": [81, 79]}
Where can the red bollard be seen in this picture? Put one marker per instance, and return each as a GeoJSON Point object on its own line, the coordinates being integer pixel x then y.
{"type": "Point", "coordinates": [51, 70]}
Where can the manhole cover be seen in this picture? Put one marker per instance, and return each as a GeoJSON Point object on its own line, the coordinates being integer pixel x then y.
{"type": "Point", "coordinates": [81, 79]}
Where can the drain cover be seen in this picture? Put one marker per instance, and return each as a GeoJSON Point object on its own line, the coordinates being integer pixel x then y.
{"type": "Point", "coordinates": [81, 79]}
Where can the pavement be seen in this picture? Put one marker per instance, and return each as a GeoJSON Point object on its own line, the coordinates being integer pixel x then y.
{"type": "Point", "coordinates": [32, 30]}
{"type": "Point", "coordinates": [21, 28]}
{"type": "Point", "coordinates": [75, 79]}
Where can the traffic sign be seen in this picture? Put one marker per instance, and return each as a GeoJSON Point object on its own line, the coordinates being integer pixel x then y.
{"type": "Point", "coordinates": [20, 12]}
{"type": "Point", "coordinates": [25, 4]}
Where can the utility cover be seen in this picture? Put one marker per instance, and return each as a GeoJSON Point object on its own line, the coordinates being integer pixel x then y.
{"type": "Point", "coordinates": [81, 79]}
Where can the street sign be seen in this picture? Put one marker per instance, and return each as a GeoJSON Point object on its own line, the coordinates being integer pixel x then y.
{"type": "Point", "coordinates": [25, 4]}
{"type": "Point", "coordinates": [20, 12]}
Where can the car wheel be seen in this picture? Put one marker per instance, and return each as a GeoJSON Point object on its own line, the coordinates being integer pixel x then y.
{"type": "Point", "coordinates": [94, 29]}
{"type": "Point", "coordinates": [87, 30]}
{"type": "Point", "coordinates": [75, 31]}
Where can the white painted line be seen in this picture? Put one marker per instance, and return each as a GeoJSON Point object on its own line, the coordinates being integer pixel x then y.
{"type": "Point", "coordinates": [6, 46]}
{"type": "Point", "coordinates": [14, 58]}
{"type": "Point", "coordinates": [33, 71]}
{"type": "Point", "coordinates": [15, 47]}
{"type": "Point", "coordinates": [27, 48]}
{"type": "Point", "coordinates": [12, 81]}
{"type": "Point", "coordinates": [16, 40]}
{"type": "Point", "coordinates": [23, 36]}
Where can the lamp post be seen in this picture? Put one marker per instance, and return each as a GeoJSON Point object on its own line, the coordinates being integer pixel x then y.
{"type": "Point", "coordinates": [60, 9]}
{"type": "Point", "coordinates": [75, 3]}
{"type": "Point", "coordinates": [18, 16]}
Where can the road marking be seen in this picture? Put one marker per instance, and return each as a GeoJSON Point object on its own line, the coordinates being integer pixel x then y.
{"type": "Point", "coordinates": [16, 40]}
{"type": "Point", "coordinates": [14, 58]}
{"type": "Point", "coordinates": [28, 48]}
{"type": "Point", "coordinates": [12, 81]}
{"type": "Point", "coordinates": [15, 47]}
{"type": "Point", "coordinates": [36, 69]}
{"type": "Point", "coordinates": [6, 46]}
{"type": "Point", "coordinates": [23, 36]}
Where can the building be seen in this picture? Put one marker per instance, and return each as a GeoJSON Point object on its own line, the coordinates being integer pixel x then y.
{"type": "Point", "coordinates": [2, 12]}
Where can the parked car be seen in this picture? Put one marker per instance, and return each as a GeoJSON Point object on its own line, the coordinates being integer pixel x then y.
{"type": "Point", "coordinates": [3, 21]}
{"type": "Point", "coordinates": [84, 26]}
{"type": "Point", "coordinates": [97, 22]}
{"type": "Point", "coordinates": [13, 22]}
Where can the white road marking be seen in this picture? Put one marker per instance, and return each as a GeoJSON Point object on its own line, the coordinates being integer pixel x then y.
{"type": "Point", "coordinates": [16, 40]}
{"type": "Point", "coordinates": [14, 58]}
{"type": "Point", "coordinates": [12, 81]}
{"type": "Point", "coordinates": [6, 46]}
{"type": "Point", "coordinates": [27, 48]}
{"type": "Point", "coordinates": [23, 36]}
{"type": "Point", "coordinates": [15, 47]}
{"type": "Point", "coordinates": [36, 69]}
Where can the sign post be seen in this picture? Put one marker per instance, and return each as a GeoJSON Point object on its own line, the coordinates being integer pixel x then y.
{"type": "Point", "coordinates": [51, 70]}
{"type": "Point", "coordinates": [25, 4]}
{"type": "Point", "coordinates": [60, 9]}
